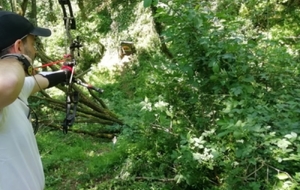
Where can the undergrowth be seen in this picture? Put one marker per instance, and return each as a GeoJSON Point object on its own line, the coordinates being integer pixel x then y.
{"type": "Point", "coordinates": [223, 113]}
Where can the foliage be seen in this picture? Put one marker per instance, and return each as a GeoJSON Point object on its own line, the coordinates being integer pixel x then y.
{"type": "Point", "coordinates": [223, 113]}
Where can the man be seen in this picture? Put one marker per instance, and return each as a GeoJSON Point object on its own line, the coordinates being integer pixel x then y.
{"type": "Point", "coordinates": [20, 162]}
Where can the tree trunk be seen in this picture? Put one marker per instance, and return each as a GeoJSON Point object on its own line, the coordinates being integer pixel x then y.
{"type": "Point", "coordinates": [82, 9]}
{"type": "Point", "coordinates": [24, 6]}
{"type": "Point", "coordinates": [13, 5]}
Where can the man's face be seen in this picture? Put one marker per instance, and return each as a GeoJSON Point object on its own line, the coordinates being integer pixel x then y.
{"type": "Point", "coordinates": [29, 46]}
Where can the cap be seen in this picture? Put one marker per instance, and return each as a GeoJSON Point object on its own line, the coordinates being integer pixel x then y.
{"type": "Point", "coordinates": [14, 27]}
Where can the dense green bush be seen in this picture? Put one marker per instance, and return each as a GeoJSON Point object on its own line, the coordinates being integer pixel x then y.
{"type": "Point", "coordinates": [224, 112]}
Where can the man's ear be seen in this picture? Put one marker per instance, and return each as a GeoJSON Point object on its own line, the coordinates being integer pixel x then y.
{"type": "Point", "coordinates": [17, 47]}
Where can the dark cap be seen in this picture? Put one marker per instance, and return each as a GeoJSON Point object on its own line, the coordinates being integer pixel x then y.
{"type": "Point", "coordinates": [14, 27]}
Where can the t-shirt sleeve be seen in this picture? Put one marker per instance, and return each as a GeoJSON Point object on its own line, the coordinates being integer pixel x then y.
{"type": "Point", "coordinates": [27, 88]}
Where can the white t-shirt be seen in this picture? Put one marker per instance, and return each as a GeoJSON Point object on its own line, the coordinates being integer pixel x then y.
{"type": "Point", "coordinates": [20, 163]}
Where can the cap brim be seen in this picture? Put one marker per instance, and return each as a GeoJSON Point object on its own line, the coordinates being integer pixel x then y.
{"type": "Point", "coordinates": [44, 32]}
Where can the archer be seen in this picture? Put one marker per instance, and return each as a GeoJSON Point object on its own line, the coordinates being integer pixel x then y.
{"type": "Point", "coordinates": [20, 162]}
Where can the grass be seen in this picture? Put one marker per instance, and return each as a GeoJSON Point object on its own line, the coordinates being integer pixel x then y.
{"type": "Point", "coordinates": [75, 161]}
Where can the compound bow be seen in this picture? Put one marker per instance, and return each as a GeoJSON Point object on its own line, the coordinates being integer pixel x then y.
{"type": "Point", "coordinates": [72, 96]}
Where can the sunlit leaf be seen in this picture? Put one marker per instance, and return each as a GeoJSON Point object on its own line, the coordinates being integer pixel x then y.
{"type": "Point", "coordinates": [283, 143]}
{"type": "Point", "coordinates": [282, 176]}
{"type": "Point", "coordinates": [292, 135]}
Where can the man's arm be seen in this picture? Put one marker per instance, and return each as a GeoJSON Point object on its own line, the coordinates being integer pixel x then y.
{"type": "Point", "coordinates": [49, 79]}
{"type": "Point", "coordinates": [12, 77]}
{"type": "Point", "coordinates": [40, 83]}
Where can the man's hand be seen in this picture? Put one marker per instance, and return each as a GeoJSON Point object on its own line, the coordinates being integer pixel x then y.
{"type": "Point", "coordinates": [69, 71]}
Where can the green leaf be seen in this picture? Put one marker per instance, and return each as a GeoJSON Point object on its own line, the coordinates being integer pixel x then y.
{"type": "Point", "coordinates": [237, 91]}
{"type": "Point", "coordinates": [221, 134]}
{"type": "Point", "coordinates": [282, 176]}
{"type": "Point", "coordinates": [155, 2]}
{"type": "Point", "coordinates": [215, 68]}
{"type": "Point", "coordinates": [249, 89]}
{"type": "Point", "coordinates": [147, 3]}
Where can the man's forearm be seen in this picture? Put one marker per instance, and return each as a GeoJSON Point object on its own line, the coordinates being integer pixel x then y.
{"type": "Point", "coordinates": [50, 79]}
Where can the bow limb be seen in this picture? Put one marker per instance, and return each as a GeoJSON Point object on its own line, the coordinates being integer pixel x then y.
{"type": "Point", "coordinates": [68, 20]}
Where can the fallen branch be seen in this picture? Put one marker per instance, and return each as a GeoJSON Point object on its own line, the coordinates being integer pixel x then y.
{"type": "Point", "coordinates": [155, 179]}
{"type": "Point", "coordinates": [94, 134]}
